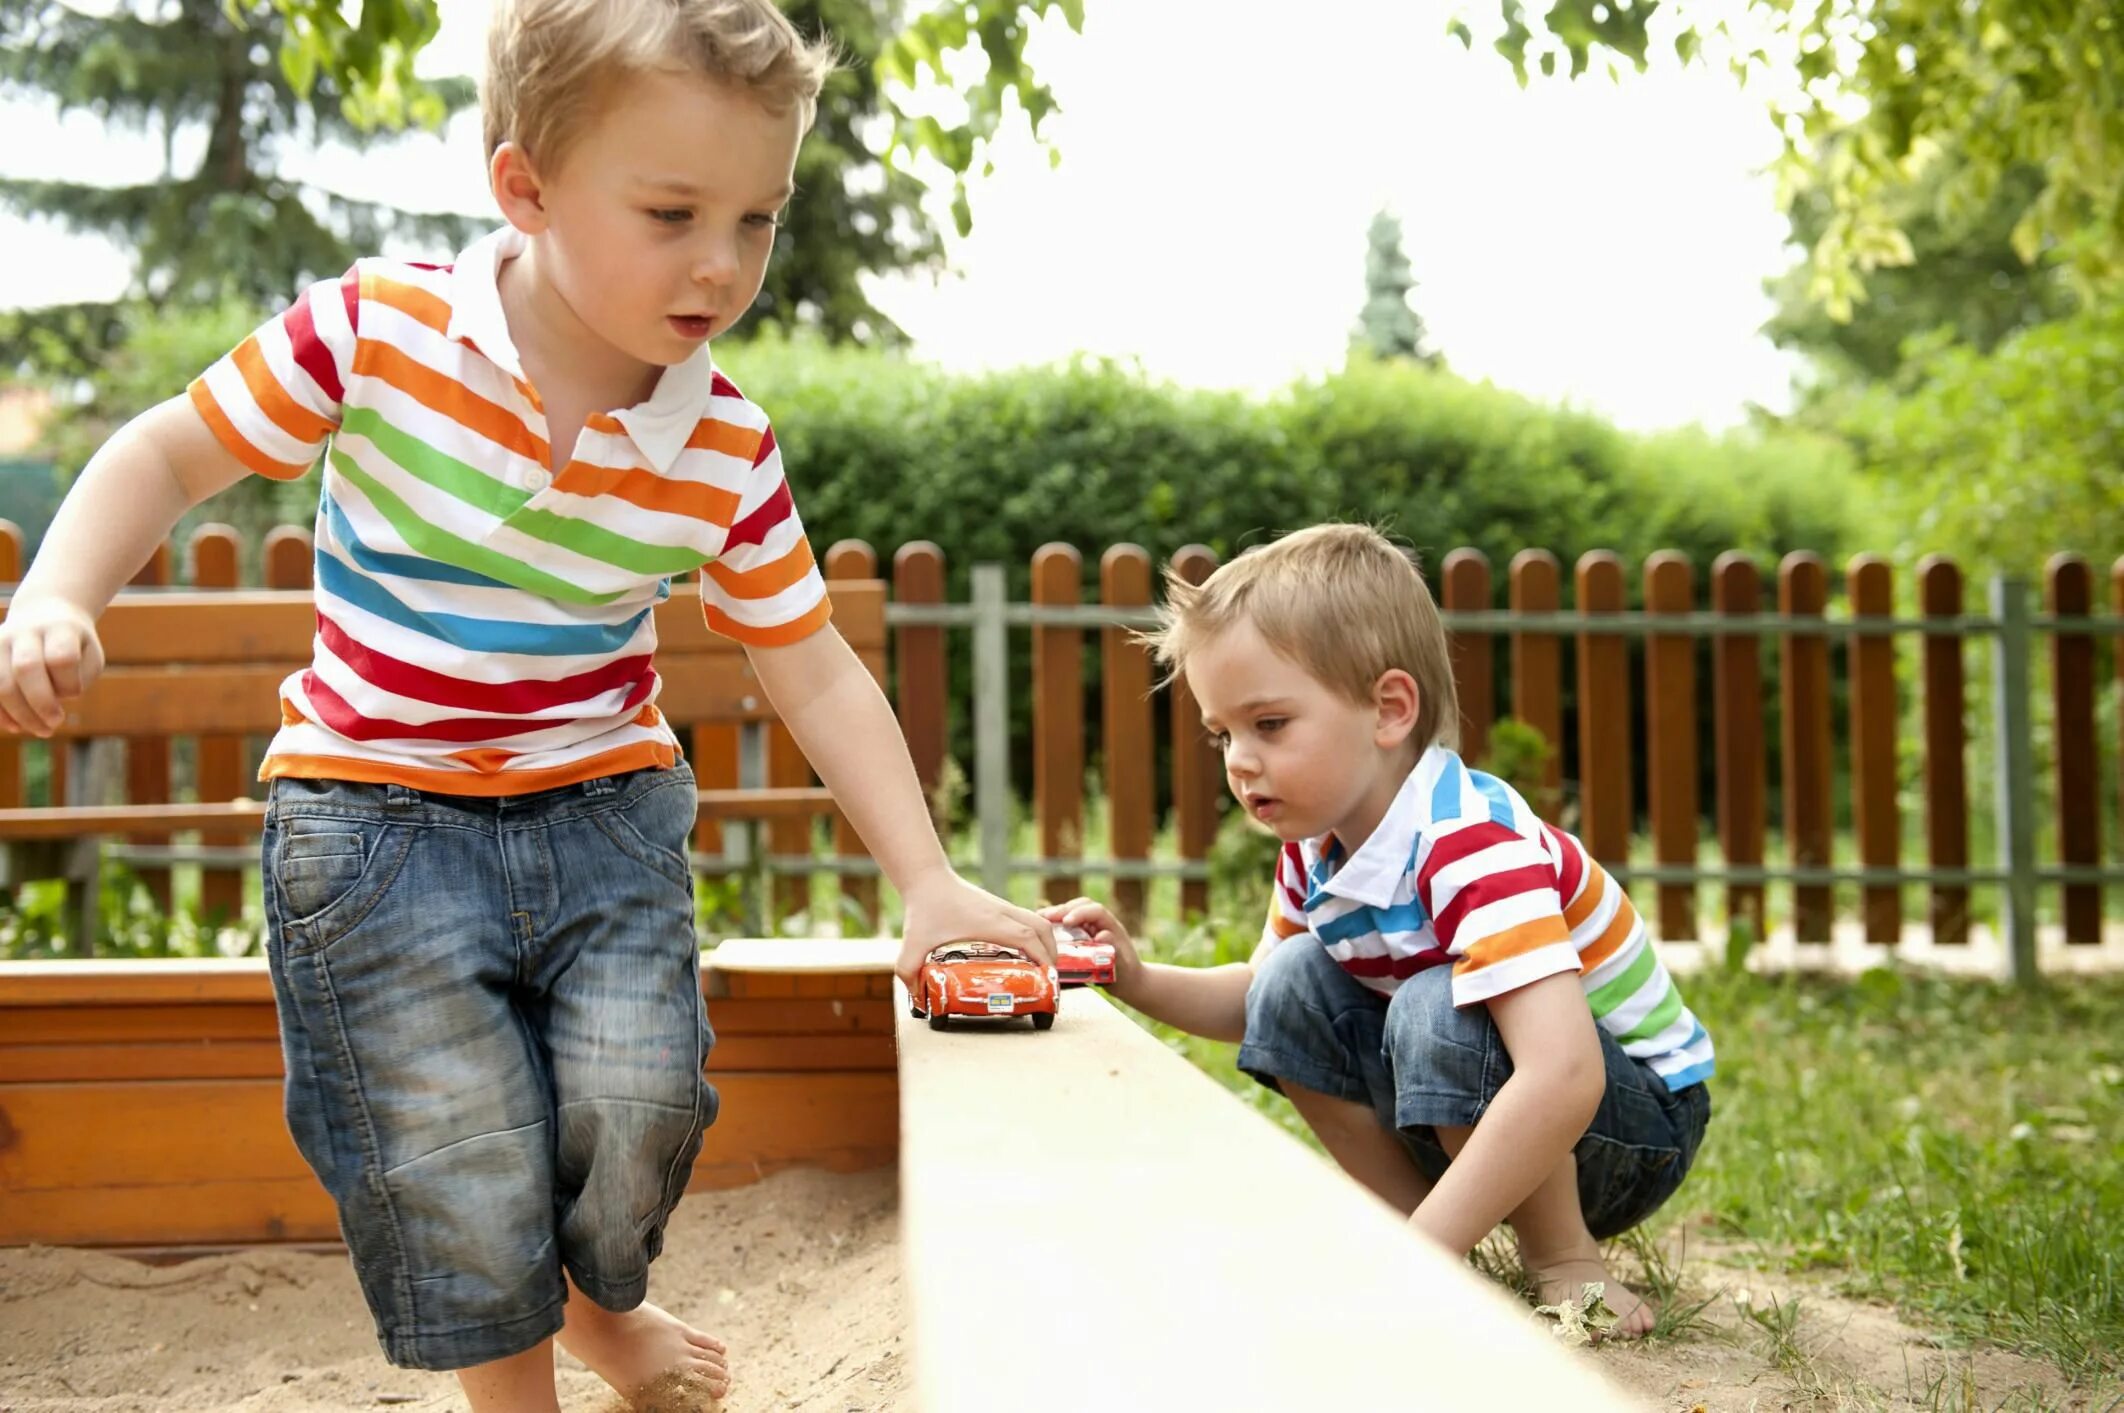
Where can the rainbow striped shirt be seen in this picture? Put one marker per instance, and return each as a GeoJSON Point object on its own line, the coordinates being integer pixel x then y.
{"type": "Point", "coordinates": [1462, 872]}
{"type": "Point", "coordinates": [485, 626]}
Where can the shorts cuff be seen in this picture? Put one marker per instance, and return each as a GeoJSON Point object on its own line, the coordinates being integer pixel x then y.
{"type": "Point", "coordinates": [616, 1296]}
{"type": "Point", "coordinates": [464, 1348]}
{"type": "Point", "coordinates": [1268, 1066]}
{"type": "Point", "coordinates": [1432, 1110]}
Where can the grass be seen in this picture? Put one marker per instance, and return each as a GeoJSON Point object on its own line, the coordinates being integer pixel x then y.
{"type": "Point", "coordinates": [1953, 1147]}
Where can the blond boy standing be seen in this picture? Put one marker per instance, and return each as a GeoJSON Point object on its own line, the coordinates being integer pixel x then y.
{"type": "Point", "coordinates": [1459, 1001]}
{"type": "Point", "coordinates": [478, 899]}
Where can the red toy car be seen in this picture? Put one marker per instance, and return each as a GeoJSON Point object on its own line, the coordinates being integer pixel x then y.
{"type": "Point", "coordinates": [981, 979]}
{"type": "Point", "coordinates": [1079, 961]}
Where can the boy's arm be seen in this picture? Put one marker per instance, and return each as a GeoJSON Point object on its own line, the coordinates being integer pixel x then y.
{"type": "Point", "coordinates": [1205, 1001]}
{"type": "Point", "coordinates": [1495, 900]}
{"type": "Point", "coordinates": [125, 502]}
{"type": "Point", "coordinates": [1541, 1111]}
{"type": "Point", "coordinates": [846, 729]}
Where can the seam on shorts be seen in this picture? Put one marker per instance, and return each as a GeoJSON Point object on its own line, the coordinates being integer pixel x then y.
{"type": "Point", "coordinates": [459, 1143]}
{"type": "Point", "coordinates": [372, 1151]}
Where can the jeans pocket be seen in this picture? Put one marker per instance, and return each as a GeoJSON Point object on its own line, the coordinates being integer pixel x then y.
{"type": "Point", "coordinates": [329, 873]}
{"type": "Point", "coordinates": [656, 827]}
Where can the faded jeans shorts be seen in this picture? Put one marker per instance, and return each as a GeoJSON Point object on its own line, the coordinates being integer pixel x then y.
{"type": "Point", "coordinates": [491, 1015]}
{"type": "Point", "coordinates": [1420, 1063]}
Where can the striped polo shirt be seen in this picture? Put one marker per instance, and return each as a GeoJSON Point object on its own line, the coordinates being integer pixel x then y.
{"type": "Point", "coordinates": [1462, 872]}
{"type": "Point", "coordinates": [485, 625]}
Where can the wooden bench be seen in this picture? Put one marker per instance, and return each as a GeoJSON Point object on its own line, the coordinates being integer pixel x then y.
{"type": "Point", "coordinates": [140, 1101]}
{"type": "Point", "coordinates": [209, 664]}
{"type": "Point", "coordinates": [1088, 1221]}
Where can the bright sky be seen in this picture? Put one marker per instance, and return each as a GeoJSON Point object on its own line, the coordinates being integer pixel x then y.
{"type": "Point", "coordinates": [1592, 243]}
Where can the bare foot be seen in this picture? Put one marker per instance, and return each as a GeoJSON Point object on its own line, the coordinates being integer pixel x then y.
{"type": "Point", "coordinates": [640, 1347]}
{"type": "Point", "coordinates": [1567, 1277]}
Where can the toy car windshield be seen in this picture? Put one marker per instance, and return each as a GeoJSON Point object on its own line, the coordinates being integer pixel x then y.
{"type": "Point", "coordinates": [971, 951]}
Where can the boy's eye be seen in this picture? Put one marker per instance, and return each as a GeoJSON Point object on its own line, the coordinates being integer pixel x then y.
{"type": "Point", "coordinates": [1269, 725]}
{"type": "Point", "coordinates": [671, 215]}
{"type": "Point", "coordinates": [764, 220]}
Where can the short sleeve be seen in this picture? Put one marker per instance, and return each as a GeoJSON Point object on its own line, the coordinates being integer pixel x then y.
{"type": "Point", "coordinates": [274, 400]}
{"type": "Point", "coordinates": [1492, 896]}
{"type": "Point", "coordinates": [764, 589]}
{"type": "Point", "coordinates": [1286, 910]}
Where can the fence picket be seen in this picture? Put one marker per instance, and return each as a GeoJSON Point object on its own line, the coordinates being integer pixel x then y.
{"type": "Point", "coordinates": [1671, 739]}
{"type": "Point", "coordinates": [1604, 787]}
{"type": "Point", "coordinates": [1198, 770]}
{"type": "Point", "coordinates": [921, 683]}
{"type": "Point", "coordinates": [1737, 730]}
{"type": "Point", "coordinates": [2069, 590]}
{"type": "Point", "coordinates": [1946, 751]}
{"type": "Point", "coordinates": [213, 564]}
{"type": "Point", "coordinates": [147, 758]}
{"type": "Point", "coordinates": [1537, 666]}
{"type": "Point", "coordinates": [1058, 716]}
{"type": "Point", "coordinates": [853, 559]}
{"type": "Point", "coordinates": [1125, 583]}
{"type": "Point", "coordinates": [1465, 577]}
{"type": "Point", "coordinates": [1803, 592]}
{"type": "Point", "coordinates": [1876, 817]}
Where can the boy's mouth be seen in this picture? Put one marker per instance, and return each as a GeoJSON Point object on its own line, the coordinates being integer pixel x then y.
{"type": "Point", "coordinates": [693, 326]}
{"type": "Point", "coordinates": [1263, 806]}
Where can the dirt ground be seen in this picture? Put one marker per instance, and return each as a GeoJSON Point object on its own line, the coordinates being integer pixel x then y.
{"type": "Point", "coordinates": [1809, 1348]}
{"type": "Point", "coordinates": [799, 1274]}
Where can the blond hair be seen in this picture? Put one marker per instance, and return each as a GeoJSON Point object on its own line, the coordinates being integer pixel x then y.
{"type": "Point", "coordinates": [1341, 601]}
{"type": "Point", "coordinates": [549, 62]}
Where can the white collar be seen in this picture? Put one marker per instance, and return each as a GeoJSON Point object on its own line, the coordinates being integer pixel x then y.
{"type": "Point", "coordinates": [660, 427]}
{"type": "Point", "coordinates": [1371, 874]}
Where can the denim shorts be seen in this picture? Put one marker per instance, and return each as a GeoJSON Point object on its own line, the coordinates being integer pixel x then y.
{"type": "Point", "coordinates": [1420, 1062]}
{"type": "Point", "coordinates": [491, 1015]}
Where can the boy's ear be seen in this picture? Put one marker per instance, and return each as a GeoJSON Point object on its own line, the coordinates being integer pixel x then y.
{"type": "Point", "coordinates": [517, 188]}
{"type": "Point", "coordinates": [1398, 702]}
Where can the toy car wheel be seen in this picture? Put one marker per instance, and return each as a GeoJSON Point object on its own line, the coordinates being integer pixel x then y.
{"type": "Point", "coordinates": [916, 1011]}
{"type": "Point", "coordinates": [1043, 1020]}
{"type": "Point", "coordinates": [937, 1020]}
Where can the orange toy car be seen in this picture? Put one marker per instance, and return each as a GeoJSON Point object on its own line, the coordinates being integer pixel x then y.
{"type": "Point", "coordinates": [1079, 961]}
{"type": "Point", "coordinates": [981, 979]}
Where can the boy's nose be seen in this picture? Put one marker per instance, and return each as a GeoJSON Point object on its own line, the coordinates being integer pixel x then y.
{"type": "Point", "coordinates": [717, 264]}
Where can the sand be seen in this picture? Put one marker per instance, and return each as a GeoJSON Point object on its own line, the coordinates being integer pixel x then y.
{"type": "Point", "coordinates": [799, 1274]}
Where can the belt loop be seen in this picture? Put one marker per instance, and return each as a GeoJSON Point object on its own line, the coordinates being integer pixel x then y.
{"type": "Point", "coordinates": [599, 788]}
{"type": "Point", "coordinates": [400, 796]}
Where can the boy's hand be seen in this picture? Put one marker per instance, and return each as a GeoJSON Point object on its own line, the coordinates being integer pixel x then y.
{"type": "Point", "coordinates": [944, 907]}
{"type": "Point", "coordinates": [1094, 918]}
{"type": "Point", "coordinates": [49, 655]}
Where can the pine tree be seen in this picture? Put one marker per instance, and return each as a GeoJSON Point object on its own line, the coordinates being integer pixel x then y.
{"type": "Point", "coordinates": [234, 228]}
{"type": "Point", "coordinates": [1387, 327]}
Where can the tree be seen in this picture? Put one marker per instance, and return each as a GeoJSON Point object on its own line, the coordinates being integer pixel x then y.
{"type": "Point", "coordinates": [2002, 459]}
{"type": "Point", "coordinates": [232, 228]}
{"type": "Point", "coordinates": [1387, 326]}
{"type": "Point", "coordinates": [1964, 285]}
{"type": "Point", "coordinates": [1873, 90]}
{"type": "Point", "coordinates": [860, 209]}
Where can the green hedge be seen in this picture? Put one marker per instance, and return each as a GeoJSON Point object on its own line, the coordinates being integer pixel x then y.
{"type": "Point", "coordinates": [1092, 454]}
{"type": "Point", "coordinates": [992, 467]}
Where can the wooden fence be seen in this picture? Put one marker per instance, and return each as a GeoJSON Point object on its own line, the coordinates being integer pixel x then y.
{"type": "Point", "coordinates": [1685, 653]}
